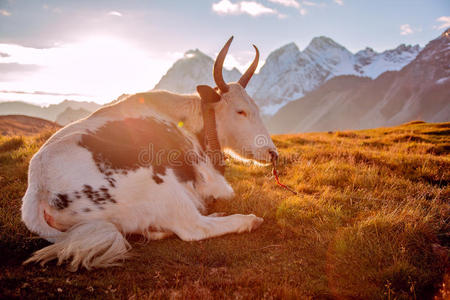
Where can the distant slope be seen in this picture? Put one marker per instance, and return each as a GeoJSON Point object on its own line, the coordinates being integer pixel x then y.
{"type": "Point", "coordinates": [309, 111]}
{"type": "Point", "coordinates": [70, 115]}
{"type": "Point", "coordinates": [421, 90]}
{"type": "Point", "coordinates": [24, 125]}
{"type": "Point", "coordinates": [50, 112]}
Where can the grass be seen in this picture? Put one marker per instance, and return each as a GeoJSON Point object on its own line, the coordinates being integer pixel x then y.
{"type": "Point", "coordinates": [371, 221]}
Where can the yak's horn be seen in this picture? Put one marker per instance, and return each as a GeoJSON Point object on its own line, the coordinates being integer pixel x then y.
{"type": "Point", "coordinates": [250, 71]}
{"type": "Point", "coordinates": [218, 66]}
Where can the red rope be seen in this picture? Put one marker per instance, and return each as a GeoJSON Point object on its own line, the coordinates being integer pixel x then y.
{"type": "Point", "coordinates": [275, 173]}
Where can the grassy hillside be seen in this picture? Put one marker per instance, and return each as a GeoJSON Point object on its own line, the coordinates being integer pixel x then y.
{"type": "Point", "coordinates": [24, 125]}
{"type": "Point", "coordinates": [371, 221]}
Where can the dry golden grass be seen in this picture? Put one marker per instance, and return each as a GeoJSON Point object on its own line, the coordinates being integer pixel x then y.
{"type": "Point", "coordinates": [24, 125]}
{"type": "Point", "coordinates": [371, 221]}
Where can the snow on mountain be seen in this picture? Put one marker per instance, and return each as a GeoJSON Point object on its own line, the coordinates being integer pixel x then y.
{"type": "Point", "coordinates": [193, 69]}
{"type": "Point", "coordinates": [289, 73]}
{"type": "Point", "coordinates": [372, 64]}
{"type": "Point", "coordinates": [331, 56]}
{"type": "Point", "coordinates": [418, 91]}
{"type": "Point", "coordinates": [286, 75]}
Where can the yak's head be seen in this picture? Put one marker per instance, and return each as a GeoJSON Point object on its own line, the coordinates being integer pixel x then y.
{"type": "Point", "coordinates": [240, 129]}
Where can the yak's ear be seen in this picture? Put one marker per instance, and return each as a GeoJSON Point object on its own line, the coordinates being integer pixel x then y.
{"type": "Point", "coordinates": [208, 94]}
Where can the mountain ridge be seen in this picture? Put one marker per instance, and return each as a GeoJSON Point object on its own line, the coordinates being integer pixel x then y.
{"type": "Point", "coordinates": [283, 80]}
{"type": "Point", "coordinates": [289, 73]}
{"type": "Point", "coordinates": [50, 112]}
{"type": "Point", "coordinates": [420, 90]}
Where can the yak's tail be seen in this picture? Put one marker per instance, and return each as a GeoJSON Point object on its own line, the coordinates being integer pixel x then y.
{"type": "Point", "coordinates": [93, 244]}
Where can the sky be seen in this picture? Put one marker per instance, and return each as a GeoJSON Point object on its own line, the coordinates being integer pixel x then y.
{"type": "Point", "coordinates": [97, 50]}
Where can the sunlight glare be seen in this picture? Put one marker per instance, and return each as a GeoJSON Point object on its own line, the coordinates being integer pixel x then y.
{"type": "Point", "coordinates": [239, 158]}
{"type": "Point", "coordinates": [101, 67]}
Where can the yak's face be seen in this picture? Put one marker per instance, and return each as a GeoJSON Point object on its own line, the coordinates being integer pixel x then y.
{"type": "Point", "coordinates": [239, 125]}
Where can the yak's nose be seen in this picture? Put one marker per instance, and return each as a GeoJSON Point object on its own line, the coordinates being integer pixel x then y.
{"type": "Point", "coordinates": [273, 155]}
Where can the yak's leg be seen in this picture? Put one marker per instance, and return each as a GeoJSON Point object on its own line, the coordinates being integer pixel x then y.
{"type": "Point", "coordinates": [190, 225]}
{"type": "Point", "coordinates": [207, 227]}
{"type": "Point", "coordinates": [158, 235]}
{"type": "Point", "coordinates": [217, 214]}
{"type": "Point", "coordinates": [178, 210]}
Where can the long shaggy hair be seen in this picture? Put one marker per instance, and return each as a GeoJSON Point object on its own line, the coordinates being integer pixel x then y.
{"type": "Point", "coordinates": [96, 244]}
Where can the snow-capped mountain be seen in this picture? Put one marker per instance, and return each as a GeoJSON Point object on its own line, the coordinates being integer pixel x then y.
{"type": "Point", "coordinates": [419, 91]}
{"type": "Point", "coordinates": [285, 76]}
{"type": "Point", "coordinates": [193, 69]}
{"type": "Point", "coordinates": [289, 73]}
{"type": "Point", "coordinates": [372, 64]}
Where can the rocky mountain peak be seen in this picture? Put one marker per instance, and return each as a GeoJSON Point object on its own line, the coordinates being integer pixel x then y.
{"type": "Point", "coordinates": [287, 52]}
{"type": "Point", "coordinates": [437, 50]}
{"type": "Point", "coordinates": [291, 47]}
{"type": "Point", "coordinates": [323, 44]}
{"type": "Point", "coordinates": [405, 48]}
{"type": "Point", "coordinates": [195, 53]}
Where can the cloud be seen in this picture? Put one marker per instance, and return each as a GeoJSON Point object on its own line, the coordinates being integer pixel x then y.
{"type": "Point", "coordinates": [225, 7]}
{"type": "Point", "coordinates": [340, 2]}
{"type": "Point", "coordinates": [5, 13]}
{"type": "Point", "coordinates": [39, 93]}
{"type": "Point", "coordinates": [115, 13]}
{"type": "Point", "coordinates": [406, 29]}
{"type": "Point", "coordinates": [13, 71]}
{"type": "Point", "coordinates": [252, 8]}
{"type": "Point", "coordinates": [16, 67]}
{"type": "Point", "coordinates": [445, 20]}
{"type": "Point", "coordinates": [291, 3]}
{"type": "Point", "coordinates": [287, 3]}
{"type": "Point", "coordinates": [255, 9]}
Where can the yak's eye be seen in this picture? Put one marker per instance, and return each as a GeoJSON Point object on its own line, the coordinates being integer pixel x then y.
{"type": "Point", "coordinates": [242, 113]}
